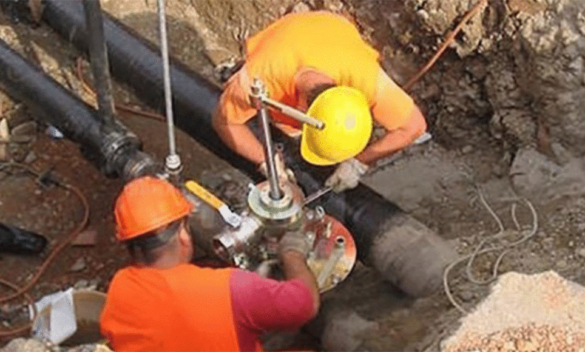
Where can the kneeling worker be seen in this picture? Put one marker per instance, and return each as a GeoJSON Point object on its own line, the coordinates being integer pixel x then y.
{"type": "Point", "coordinates": [163, 303]}
{"type": "Point", "coordinates": [318, 63]}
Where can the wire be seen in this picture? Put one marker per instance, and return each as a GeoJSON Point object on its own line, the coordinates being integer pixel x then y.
{"type": "Point", "coordinates": [478, 251]}
{"type": "Point", "coordinates": [19, 291]}
{"type": "Point", "coordinates": [448, 40]}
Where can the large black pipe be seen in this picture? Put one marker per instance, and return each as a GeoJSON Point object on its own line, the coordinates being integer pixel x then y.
{"type": "Point", "coordinates": [402, 249]}
{"type": "Point", "coordinates": [112, 148]}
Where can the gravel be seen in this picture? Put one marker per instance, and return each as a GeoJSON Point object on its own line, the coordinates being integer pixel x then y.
{"type": "Point", "coordinates": [541, 312]}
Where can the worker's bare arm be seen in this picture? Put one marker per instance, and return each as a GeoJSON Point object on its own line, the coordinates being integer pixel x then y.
{"type": "Point", "coordinates": [295, 267]}
{"type": "Point", "coordinates": [239, 138]}
{"type": "Point", "coordinates": [395, 140]}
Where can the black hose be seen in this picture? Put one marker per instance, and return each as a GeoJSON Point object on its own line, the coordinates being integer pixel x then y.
{"type": "Point", "coordinates": [402, 249]}
{"type": "Point", "coordinates": [112, 148]}
{"type": "Point", "coordinates": [99, 60]}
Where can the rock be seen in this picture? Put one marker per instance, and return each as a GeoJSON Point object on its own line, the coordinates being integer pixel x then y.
{"type": "Point", "coordinates": [4, 131]}
{"type": "Point", "coordinates": [94, 284]}
{"type": "Point", "coordinates": [90, 348]}
{"type": "Point", "coordinates": [533, 173]}
{"type": "Point", "coordinates": [345, 331]}
{"type": "Point", "coordinates": [561, 264]}
{"type": "Point", "coordinates": [300, 7]}
{"type": "Point", "coordinates": [17, 152]}
{"type": "Point", "coordinates": [24, 345]}
{"type": "Point", "coordinates": [467, 149]}
{"type": "Point", "coordinates": [548, 244]}
{"type": "Point", "coordinates": [86, 238]}
{"type": "Point", "coordinates": [466, 295]}
{"type": "Point", "coordinates": [580, 252]}
{"type": "Point", "coordinates": [81, 284]}
{"type": "Point", "coordinates": [4, 135]}
{"type": "Point", "coordinates": [226, 177]}
{"type": "Point", "coordinates": [28, 128]}
{"type": "Point", "coordinates": [30, 158]}
{"type": "Point", "coordinates": [78, 266]}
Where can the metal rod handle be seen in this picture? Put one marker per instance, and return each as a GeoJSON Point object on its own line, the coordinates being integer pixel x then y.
{"type": "Point", "coordinates": [275, 192]}
{"type": "Point", "coordinates": [293, 113]}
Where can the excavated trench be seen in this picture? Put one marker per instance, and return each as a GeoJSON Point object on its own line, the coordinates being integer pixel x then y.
{"type": "Point", "coordinates": [504, 105]}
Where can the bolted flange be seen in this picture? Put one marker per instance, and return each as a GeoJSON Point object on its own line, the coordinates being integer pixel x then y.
{"type": "Point", "coordinates": [281, 212]}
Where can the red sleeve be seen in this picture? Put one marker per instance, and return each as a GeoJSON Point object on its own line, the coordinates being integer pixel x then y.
{"type": "Point", "coordinates": [261, 304]}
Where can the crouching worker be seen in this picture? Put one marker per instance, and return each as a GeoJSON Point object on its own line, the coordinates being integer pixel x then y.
{"type": "Point", "coordinates": [318, 63]}
{"type": "Point", "coordinates": [163, 303]}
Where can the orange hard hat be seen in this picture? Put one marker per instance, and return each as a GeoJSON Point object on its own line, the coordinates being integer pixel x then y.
{"type": "Point", "coordinates": [146, 204]}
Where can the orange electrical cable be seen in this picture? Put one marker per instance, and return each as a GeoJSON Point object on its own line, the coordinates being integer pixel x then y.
{"type": "Point", "coordinates": [74, 233]}
{"type": "Point", "coordinates": [448, 40]}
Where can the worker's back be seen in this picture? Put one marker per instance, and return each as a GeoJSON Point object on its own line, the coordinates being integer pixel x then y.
{"type": "Point", "coordinates": [319, 40]}
{"type": "Point", "coordinates": [185, 308]}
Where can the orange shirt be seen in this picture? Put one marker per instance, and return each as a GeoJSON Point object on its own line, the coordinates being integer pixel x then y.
{"type": "Point", "coordinates": [321, 41]}
{"type": "Point", "coordinates": [185, 308]}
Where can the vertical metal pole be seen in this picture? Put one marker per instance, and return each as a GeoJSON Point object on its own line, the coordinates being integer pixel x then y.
{"type": "Point", "coordinates": [275, 192]}
{"type": "Point", "coordinates": [173, 161]}
{"type": "Point", "coordinates": [98, 57]}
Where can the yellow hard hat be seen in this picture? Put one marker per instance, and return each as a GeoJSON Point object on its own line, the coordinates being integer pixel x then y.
{"type": "Point", "coordinates": [348, 126]}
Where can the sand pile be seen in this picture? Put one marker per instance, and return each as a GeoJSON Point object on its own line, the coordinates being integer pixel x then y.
{"type": "Point", "coordinates": [525, 313]}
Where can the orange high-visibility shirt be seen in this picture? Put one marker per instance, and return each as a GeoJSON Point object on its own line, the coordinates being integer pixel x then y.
{"type": "Point", "coordinates": [319, 41]}
{"type": "Point", "coordinates": [185, 308]}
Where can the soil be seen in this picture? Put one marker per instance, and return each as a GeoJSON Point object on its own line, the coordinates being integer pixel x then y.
{"type": "Point", "coordinates": [484, 132]}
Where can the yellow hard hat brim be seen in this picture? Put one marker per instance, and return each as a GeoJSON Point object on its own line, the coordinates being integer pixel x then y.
{"type": "Point", "coordinates": [309, 156]}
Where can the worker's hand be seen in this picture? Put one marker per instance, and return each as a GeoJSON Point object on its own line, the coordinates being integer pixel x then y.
{"type": "Point", "coordinates": [347, 175]}
{"type": "Point", "coordinates": [283, 172]}
{"type": "Point", "coordinates": [294, 241]}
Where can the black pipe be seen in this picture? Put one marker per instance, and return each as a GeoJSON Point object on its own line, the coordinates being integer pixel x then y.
{"type": "Point", "coordinates": [402, 249]}
{"type": "Point", "coordinates": [99, 60]}
{"type": "Point", "coordinates": [112, 148]}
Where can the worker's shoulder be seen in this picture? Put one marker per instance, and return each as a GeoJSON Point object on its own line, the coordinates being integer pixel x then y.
{"type": "Point", "coordinates": [177, 279]}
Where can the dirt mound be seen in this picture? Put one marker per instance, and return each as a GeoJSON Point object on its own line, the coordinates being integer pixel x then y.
{"type": "Point", "coordinates": [541, 312]}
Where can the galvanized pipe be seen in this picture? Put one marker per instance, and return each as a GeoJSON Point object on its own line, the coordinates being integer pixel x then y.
{"type": "Point", "coordinates": [173, 161]}
{"type": "Point", "coordinates": [258, 95]}
{"type": "Point", "coordinates": [275, 192]}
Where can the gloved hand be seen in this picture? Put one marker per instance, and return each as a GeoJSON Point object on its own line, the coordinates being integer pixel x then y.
{"type": "Point", "coordinates": [347, 175]}
{"type": "Point", "coordinates": [294, 241]}
{"type": "Point", "coordinates": [283, 172]}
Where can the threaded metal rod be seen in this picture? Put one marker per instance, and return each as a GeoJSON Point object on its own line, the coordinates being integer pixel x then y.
{"type": "Point", "coordinates": [275, 192]}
